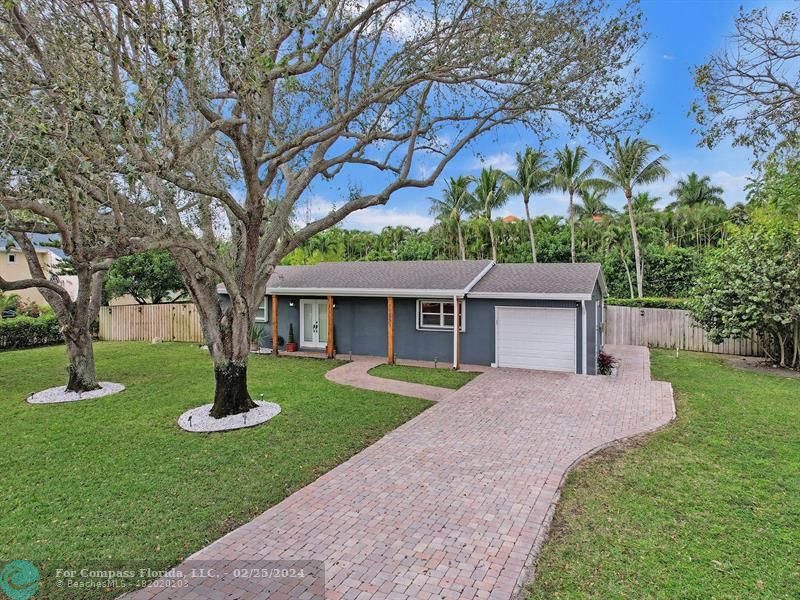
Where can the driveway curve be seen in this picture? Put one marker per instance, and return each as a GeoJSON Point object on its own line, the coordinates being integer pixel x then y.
{"type": "Point", "coordinates": [454, 503]}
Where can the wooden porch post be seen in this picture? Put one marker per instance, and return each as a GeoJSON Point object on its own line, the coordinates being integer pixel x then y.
{"type": "Point", "coordinates": [390, 332]}
{"type": "Point", "coordinates": [456, 335]}
{"type": "Point", "coordinates": [274, 301]}
{"type": "Point", "coordinates": [330, 350]}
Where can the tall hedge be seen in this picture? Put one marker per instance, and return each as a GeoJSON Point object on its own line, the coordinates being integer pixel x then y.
{"type": "Point", "coordinates": [679, 303]}
{"type": "Point", "coordinates": [27, 332]}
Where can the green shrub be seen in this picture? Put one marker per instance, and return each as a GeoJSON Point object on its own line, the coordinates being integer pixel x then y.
{"type": "Point", "coordinates": [27, 332]}
{"type": "Point", "coordinates": [679, 303]}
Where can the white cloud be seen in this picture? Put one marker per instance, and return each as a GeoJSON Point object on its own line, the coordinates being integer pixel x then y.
{"type": "Point", "coordinates": [505, 161]}
{"type": "Point", "coordinates": [732, 184]}
{"type": "Point", "coordinates": [374, 218]}
{"type": "Point", "coordinates": [377, 217]}
{"type": "Point", "coordinates": [668, 57]}
{"type": "Point", "coordinates": [312, 208]}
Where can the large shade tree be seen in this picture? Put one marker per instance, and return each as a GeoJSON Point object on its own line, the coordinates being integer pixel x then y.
{"type": "Point", "coordinates": [750, 90]}
{"type": "Point", "coordinates": [632, 163]}
{"type": "Point", "coordinates": [228, 113]}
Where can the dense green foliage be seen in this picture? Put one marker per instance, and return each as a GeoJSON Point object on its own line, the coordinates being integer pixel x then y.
{"type": "Point", "coordinates": [752, 283]}
{"type": "Point", "coordinates": [675, 303]}
{"type": "Point", "coordinates": [150, 277]}
{"type": "Point", "coordinates": [115, 479]}
{"type": "Point", "coordinates": [29, 332]}
{"type": "Point", "coordinates": [707, 508]}
{"type": "Point", "coordinates": [441, 377]}
{"type": "Point", "coordinates": [670, 254]}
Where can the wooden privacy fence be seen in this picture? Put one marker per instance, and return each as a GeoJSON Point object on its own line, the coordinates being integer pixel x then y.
{"type": "Point", "coordinates": [169, 322]}
{"type": "Point", "coordinates": [668, 328]}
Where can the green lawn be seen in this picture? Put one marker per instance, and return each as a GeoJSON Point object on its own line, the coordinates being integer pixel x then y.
{"type": "Point", "coordinates": [114, 478]}
{"type": "Point", "coordinates": [706, 508]}
{"type": "Point", "coordinates": [443, 377]}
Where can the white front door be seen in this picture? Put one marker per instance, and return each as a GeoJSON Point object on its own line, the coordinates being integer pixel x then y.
{"type": "Point", "coordinates": [313, 323]}
{"type": "Point", "coordinates": [536, 338]}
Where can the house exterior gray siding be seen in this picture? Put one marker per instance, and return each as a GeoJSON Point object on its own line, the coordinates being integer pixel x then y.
{"type": "Point", "coordinates": [360, 327]}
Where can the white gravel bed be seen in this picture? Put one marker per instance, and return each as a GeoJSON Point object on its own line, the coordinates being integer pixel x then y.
{"type": "Point", "coordinates": [202, 422]}
{"type": "Point", "coordinates": [56, 395]}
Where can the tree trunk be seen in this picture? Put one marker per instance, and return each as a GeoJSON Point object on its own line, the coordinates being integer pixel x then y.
{"type": "Point", "coordinates": [571, 226]}
{"type": "Point", "coordinates": [526, 199]}
{"type": "Point", "coordinates": [82, 376]}
{"type": "Point", "coordinates": [637, 259]}
{"type": "Point", "coordinates": [461, 250]}
{"type": "Point", "coordinates": [230, 390]}
{"type": "Point", "coordinates": [627, 271]}
{"type": "Point", "coordinates": [491, 237]}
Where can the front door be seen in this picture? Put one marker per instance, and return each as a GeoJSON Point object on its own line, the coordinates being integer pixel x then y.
{"type": "Point", "coordinates": [313, 323]}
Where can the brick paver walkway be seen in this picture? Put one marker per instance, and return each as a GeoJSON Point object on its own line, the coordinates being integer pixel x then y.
{"type": "Point", "coordinates": [355, 373]}
{"type": "Point", "coordinates": [452, 504]}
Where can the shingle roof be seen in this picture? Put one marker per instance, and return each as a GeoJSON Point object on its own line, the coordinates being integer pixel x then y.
{"type": "Point", "coordinates": [403, 276]}
{"type": "Point", "coordinates": [538, 279]}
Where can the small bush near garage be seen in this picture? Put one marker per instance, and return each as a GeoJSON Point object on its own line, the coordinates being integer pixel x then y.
{"type": "Point", "coordinates": [29, 332]}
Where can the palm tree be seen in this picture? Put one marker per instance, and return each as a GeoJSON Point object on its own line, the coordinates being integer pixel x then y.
{"type": "Point", "coordinates": [631, 163]}
{"type": "Point", "coordinates": [451, 207]}
{"type": "Point", "coordinates": [491, 193]}
{"type": "Point", "coordinates": [570, 177]}
{"type": "Point", "coordinates": [593, 214]}
{"type": "Point", "coordinates": [695, 191]}
{"type": "Point", "coordinates": [533, 177]}
{"type": "Point", "coordinates": [593, 205]}
{"type": "Point", "coordinates": [614, 241]}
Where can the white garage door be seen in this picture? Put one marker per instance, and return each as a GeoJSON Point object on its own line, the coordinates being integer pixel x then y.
{"type": "Point", "coordinates": [536, 338]}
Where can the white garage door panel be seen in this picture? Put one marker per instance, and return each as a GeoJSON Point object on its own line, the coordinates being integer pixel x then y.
{"type": "Point", "coordinates": [536, 338]}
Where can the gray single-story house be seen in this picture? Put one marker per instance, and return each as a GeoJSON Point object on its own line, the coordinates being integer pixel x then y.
{"type": "Point", "coordinates": [544, 316]}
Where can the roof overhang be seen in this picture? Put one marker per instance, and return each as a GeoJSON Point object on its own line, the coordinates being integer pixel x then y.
{"type": "Point", "coordinates": [365, 292]}
{"type": "Point", "coordinates": [527, 296]}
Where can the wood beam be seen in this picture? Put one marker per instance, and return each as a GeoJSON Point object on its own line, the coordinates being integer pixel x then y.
{"type": "Point", "coordinates": [456, 335]}
{"type": "Point", "coordinates": [390, 332]}
{"type": "Point", "coordinates": [330, 350]}
{"type": "Point", "coordinates": [274, 302]}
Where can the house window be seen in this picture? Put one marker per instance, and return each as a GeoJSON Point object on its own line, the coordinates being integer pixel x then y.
{"type": "Point", "coordinates": [438, 314]}
{"type": "Point", "coordinates": [261, 312]}
{"type": "Point", "coordinates": [12, 257]}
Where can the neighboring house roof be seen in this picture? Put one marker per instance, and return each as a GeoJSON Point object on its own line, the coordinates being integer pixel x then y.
{"type": "Point", "coordinates": [40, 242]}
{"type": "Point", "coordinates": [398, 278]}
{"type": "Point", "coordinates": [541, 280]}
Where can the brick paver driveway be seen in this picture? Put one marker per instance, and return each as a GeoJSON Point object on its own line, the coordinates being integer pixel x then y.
{"type": "Point", "coordinates": [454, 503]}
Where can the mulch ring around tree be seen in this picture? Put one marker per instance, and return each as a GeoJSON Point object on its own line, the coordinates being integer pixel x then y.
{"type": "Point", "coordinates": [58, 395]}
{"type": "Point", "coordinates": [759, 364]}
{"type": "Point", "coordinates": [198, 420]}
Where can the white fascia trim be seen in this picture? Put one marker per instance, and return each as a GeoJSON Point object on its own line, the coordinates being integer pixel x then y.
{"type": "Point", "coordinates": [369, 292]}
{"type": "Point", "coordinates": [602, 280]}
{"type": "Point", "coordinates": [479, 276]}
{"type": "Point", "coordinates": [527, 296]}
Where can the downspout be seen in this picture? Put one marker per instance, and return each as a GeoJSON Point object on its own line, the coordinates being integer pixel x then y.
{"type": "Point", "coordinates": [585, 353]}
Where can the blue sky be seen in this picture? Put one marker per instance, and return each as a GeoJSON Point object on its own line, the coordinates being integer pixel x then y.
{"type": "Point", "coordinates": [683, 33]}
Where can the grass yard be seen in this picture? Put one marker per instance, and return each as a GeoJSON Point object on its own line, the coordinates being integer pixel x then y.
{"type": "Point", "coordinates": [444, 377]}
{"type": "Point", "coordinates": [115, 479]}
{"type": "Point", "coordinates": [707, 508]}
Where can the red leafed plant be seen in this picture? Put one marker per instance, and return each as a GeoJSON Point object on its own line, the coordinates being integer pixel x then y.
{"type": "Point", "coordinates": [606, 363]}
